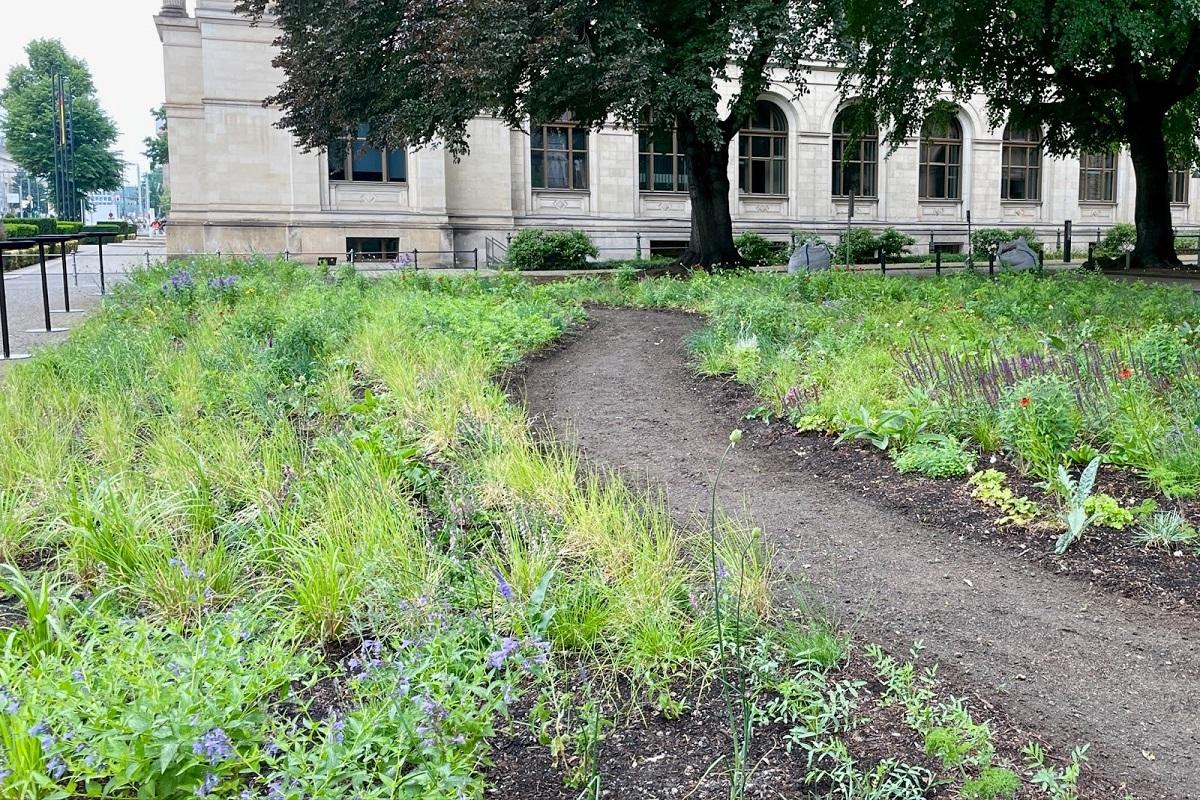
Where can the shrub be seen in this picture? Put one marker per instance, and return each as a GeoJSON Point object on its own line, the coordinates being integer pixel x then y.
{"type": "Point", "coordinates": [985, 239]}
{"type": "Point", "coordinates": [1039, 419]}
{"type": "Point", "coordinates": [938, 459]}
{"type": "Point", "coordinates": [17, 230]}
{"type": "Point", "coordinates": [537, 249]}
{"type": "Point", "coordinates": [44, 225]}
{"type": "Point", "coordinates": [893, 243]}
{"type": "Point", "coordinates": [758, 250]}
{"type": "Point", "coordinates": [1118, 237]}
{"type": "Point", "coordinates": [862, 243]}
{"type": "Point", "coordinates": [800, 237]}
{"type": "Point", "coordinates": [68, 227]}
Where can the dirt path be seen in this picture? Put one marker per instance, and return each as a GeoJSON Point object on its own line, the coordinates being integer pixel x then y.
{"type": "Point", "coordinates": [1069, 661]}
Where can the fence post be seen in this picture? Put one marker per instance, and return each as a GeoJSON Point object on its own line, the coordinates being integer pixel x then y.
{"type": "Point", "coordinates": [218, 256]}
{"type": "Point", "coordinates": [147, 258]}
{"type": "Point", "coordinates": [639, 245]}
{"type": "Point", "coordinates": [991, 263]}
{"type": "Point", "coordinates": [1041, 260]}
{"type": "Point", "coordinates": [287, 255]}
{"type": "Point", "coordinates": [1092, 255]}
{"type": "Point", "coordinates": [350, 256]}
{"type": "Point", "coordinates": [937, 262]}
{"type": "Point", "coordinates": [476, 259]}
{"type": "Point", "coordinates": [882, 263]}
{"type": "Point", "coordinates": [416, 262]}
{"type": "Point", "coordinates": [1067, 241]}
{"type": "Point", "coordinates": [931, 246]}
{"type": "Point", "coordinates": [1058, 240]}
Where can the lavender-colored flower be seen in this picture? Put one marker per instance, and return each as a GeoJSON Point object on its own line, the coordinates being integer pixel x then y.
{"type": "Point", "coordinates": [210, 782]}
{"type": "Point", "coordinates": [222, 282]}
{"type": "Point", "coordinates": [272, 749]}
{"type": "Point", "coordinates": [508, 646]}
{"type": "Point", "coordinates": [42, 731]}
{"type": "Point", "coordinates": [338, 729]}
{"type": "Point", "coordinates": [214, 745]}
{"type": "Point", "coordinates": [4, 773]}
{"type": "Point", "coordinates": [56, 768]}
{"type": "Point", "coordinates": [10, 702]}
{"type": "Point", "coordinates": [180, 280]}
{"type": "Point", "coordinates": [505, 589]}
{"type": "Point", "coordinates": [275, 791]}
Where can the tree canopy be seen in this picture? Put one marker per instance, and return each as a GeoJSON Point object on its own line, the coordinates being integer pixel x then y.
{"type": "Point", "coordinates": [156, 146]}
{"type": "Point", "coordinates": [28, 98]}
{"type": "Point", "coordinates": [1092, 74]}
{"type": "Point", "coordinates": [418, 71]}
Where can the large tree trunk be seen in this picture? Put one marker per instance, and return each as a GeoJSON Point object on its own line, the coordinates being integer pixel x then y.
{"type": "Point", "coordinates": [1152, 207]}
{"type": "Point", "coordinates": [711, 243]}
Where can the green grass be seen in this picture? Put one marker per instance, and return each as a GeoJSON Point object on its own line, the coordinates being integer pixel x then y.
{"type": "Point", "coordinates": [285, 535]}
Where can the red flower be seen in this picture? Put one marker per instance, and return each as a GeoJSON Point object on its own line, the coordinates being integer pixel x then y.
{"type": "Point", "coordinates": [1125, 374]}
{"type": "Point", "coordinates": [1025, 401]}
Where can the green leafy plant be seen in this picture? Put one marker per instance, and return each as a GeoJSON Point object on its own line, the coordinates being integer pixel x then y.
{"type": "Point", "coordinates": [1074, 515]}
{"type": "Point", "coordinates": [1116, 240]}
{"type": "Point", "coordinates": [1058, 784]}
{"type": "Point", "coordinates": [1167, 530]}
{"type": "Point", "coordinates": [946, 458]}
{"type": "Point", "coordinates": [901, 426]}
{"type": "Point", "coordinates": [537, 249]}
{"type": "Point", "coordinates": [1039, 420]}
{"type": "Point", "coordinates": [1107, 511]}
{"type": "Point", "coordinates": [758, 250]}
{"type": "Point", "coordinates": [986, 240]}
{"type": "Point", "coordinates": [992, 783]}
{"type": "Point", "coordinates": [990, 487]}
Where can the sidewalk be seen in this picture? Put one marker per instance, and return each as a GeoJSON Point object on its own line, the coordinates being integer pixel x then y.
{"type": "Point", "coordinates": [23, 289]}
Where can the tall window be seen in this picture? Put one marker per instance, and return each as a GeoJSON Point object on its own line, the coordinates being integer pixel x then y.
{"type": "Point", "coordinates": [662, 166]}
{"type": "Point", "coordinates": [941, 161]}
{"type": "Point", "coordinates": [1021, 164]}
{"type": "Point", "coordinates": [1180, 180]}
{"type": "Point", "coordinates": [351, 159]}
{"type": "Point", "coordinates": [558, 155]}
{"type": "Point", "coordinates": [855, 159]}
{"type": "Point", "coordinates": [762, 151]}
{"type": "Point", "coordinates": [1098, 177]}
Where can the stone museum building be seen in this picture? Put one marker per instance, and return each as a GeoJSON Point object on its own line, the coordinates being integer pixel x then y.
{"type": "Point", "coordinates": [239, 184]}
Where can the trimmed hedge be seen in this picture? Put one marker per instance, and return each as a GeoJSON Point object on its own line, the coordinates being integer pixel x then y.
{"type": "Point", "coordinates": [536, 249]}
{"type": "Point", "coordinates": [45, 225]}
{"type": "Point", "coordinates": [19, 230]}
{"type": "Point", "coordinates": [68, 227]}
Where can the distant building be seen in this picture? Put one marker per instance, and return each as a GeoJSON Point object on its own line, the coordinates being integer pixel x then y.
{"type": "Point", "coordinates": [10, 195]}
{"type": "Point", "coordinates": [238, 183]}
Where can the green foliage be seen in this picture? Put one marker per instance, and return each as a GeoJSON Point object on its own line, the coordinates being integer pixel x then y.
{"type": "Point", "coordinates": [19, 230]}
{"type": "Point", "coordinates": [990, 487]}
{"type": "Point", "coordinates": [28, 100]}
{"type": "Point", "coordinates": [44, 225]}
{"type": "Point", "coordinates": [68, 227]}
{"type": "Point", "coordinates": [992, 783]}
{"type": "Point", "coordinates": [1056, 783]}
{"type": "Point", "coordinates": [1075, 515]}
{"type": "Point", "coordinates": [758, 250]}
{"type": "Point", "coordinates": [537, 249]}
{"type": "Point", "coordinates": [1117, 240]}
{"type": "Point", "coordinates": [1107, 511]}
{"type": "Point", "coordinates": [156, 150]}
{"type": "Point", "coordinates": [946, 458]}
{"type": "Point", "coordinates": [1039, 420]}
{"type": "Point", "coordinates": [985, 240]}
{"type": "Point", "coordinates": [1167, 530]}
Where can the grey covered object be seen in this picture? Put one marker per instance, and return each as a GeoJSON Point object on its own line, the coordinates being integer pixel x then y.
{"type": "Point", "coordinates": [810, 256]}
{"type": "Point", "coordinates": [1017, 256]}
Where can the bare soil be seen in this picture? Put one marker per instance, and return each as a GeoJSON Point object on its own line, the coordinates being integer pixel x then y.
{"type": "Point", "coordinates": [1071, 655]}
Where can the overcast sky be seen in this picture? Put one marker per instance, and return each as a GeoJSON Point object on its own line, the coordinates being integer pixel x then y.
{"type": "Point", "coordinates": [118, 41]}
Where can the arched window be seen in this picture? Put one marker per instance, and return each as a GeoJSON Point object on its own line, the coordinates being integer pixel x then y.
{"type": "Point", "coordinates": [558, 155]}
{"type": "Point", "coordinates": [1021, 164]}
{"type": "Point", "coordinates": [855, 158]}
{"type": "Point", "coordinates": [662, 165]}
{"type": "Point", "coordinates": [941, 161]}
{"type": "Point", "coordinates": [762, 151]}
{"type": "Point", "coordinates": [1098, 177]}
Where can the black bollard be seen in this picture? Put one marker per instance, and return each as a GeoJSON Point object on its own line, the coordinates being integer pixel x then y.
{"type": "Point", "coordinates": [937, 262]}
{"type": "Point", "coordinates": [50, 328]}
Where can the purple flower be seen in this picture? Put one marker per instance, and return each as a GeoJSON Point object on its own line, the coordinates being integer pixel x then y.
{"type": "Point", "coordinates": [56, 768]}
{"type": "Point", "coordinates": [505, 590]}
{"type": "Point", "coordinates": [338, 728]}
{"type": "Point", "coordinates": [179, 281]}
{"type": "Point", "coordinates": [508, 646]}
{"type": "Point", "coordinates": [42, 731]}
{"type": "Point", "coordinates": [210, 782]}
{"type": "Point", "coordinates": [222, 282]}
{"type": "Point", "coordinates": [214, 745]}
{"type": "Point", "coordinates": [11, 703]}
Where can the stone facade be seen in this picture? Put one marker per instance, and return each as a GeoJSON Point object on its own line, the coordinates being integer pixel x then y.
{"type": "Point", "coordinates": [239, 184]}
